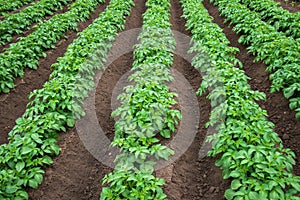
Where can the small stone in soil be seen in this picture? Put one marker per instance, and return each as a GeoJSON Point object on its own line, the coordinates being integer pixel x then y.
{"type": "Point", "coordinates": [211, 189]}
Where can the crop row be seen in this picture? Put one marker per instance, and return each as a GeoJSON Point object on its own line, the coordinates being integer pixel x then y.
{"type": "Point", "coordinates": [10, 5]}
{"type": "Point", "coordinates": [145, 111]}
{"type": "Point", "coordinates": [32, 141]}
{"type": "Point", "coordinates": [280, 53]}
{"type": "Point", "coordinates": [17, 23]}
{"type": "Point", "coordinates": [278, 17]}
{"type": "Point", "coordinates": [28, 51]}
{"type": "Point", "coordinates": [249, 152]}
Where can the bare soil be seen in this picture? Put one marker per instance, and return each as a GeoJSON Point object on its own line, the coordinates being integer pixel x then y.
{"type": "Point", "coordinates": [288, 5]}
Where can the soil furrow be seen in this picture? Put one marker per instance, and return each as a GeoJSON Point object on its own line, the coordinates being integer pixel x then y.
{"type": "Point", "coordinates": [76, 174]}
{"type": "Point", "coordinates": [193, 177]}
{"type": "Point", "coordinates": [13, 104]}
{"type": "Point", "coordinates": [288, 6]}
{"type": "Point", "coordinates": [286, 125]}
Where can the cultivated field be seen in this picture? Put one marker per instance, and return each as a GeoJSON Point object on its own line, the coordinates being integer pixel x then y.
{"type": "Point", "coordinates": [242, 69]}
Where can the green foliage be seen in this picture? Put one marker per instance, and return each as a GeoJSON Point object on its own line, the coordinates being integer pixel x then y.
{"type": "Point", "coordinates": [146, 110]}
{"type": "Point", "coordinates": [148, 105]}
{"type": "Point", "coordinates": [32, 142]}
{"type": "Point", "coordinates": [17, 23]}
{"type": "Point", "coordinates": [10, 5]}
{"type": "Point", "coordinates": [28, 51]}
{"type": "Point", "coordinates": [133, 185]}
{"type": "Point", "coordinates": [280, 18]}
{"type": "Point", "coordinates": [280, 53]}
{"type": "Point", "coordinates": [249, 152]}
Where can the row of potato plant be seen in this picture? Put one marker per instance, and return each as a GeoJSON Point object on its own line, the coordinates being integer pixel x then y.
{"type": "Point", "coordinates": [249, 152]}
{"type": "Point", "coordinates": [278, 17]}
{"type": "Point", "coordinates": [28, 51]}
{"type": "Point", "coordinates": [280, 53]}
{"type": "Point", "coordinates": [32, 141]}
{"type": "Point", "coordinates": [10, 5]}
{"type": "Point", "coordinates": [17, 23]}
{"type": "Point", "coordinates": [145, 111]}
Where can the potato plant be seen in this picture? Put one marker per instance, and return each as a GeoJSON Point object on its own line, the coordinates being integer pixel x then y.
{"type": "Point", "coordinates": [32, 142]}
{"type": "Point", "coordinates": [10, 5]}
{"type": "Point", "coordinates": [145, 111]}
{"type": "Point", "coordinates": [249, 152]}
{"type": "Point", "coordinates": [280, 53]}
{"type": "Point", "coordinates": [280, 18]}
{"type": "Point", "coordinates": [28, 51]}
{"type": "Point", "coordinates": [19, 22]}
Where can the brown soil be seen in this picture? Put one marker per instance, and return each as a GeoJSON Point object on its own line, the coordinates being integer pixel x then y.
{"type": "Point", "coordinates": [193, 178]}
{"type": "Point", "coordinates": [288, 5]}
{"type": "Point", "coordinates": [76, 174]}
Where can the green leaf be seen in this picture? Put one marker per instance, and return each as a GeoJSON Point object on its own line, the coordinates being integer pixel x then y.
{"type": "Point", "coordinates": [235, 174]}
{"type": "Point", "coordinates": [296, 186]}
{"type": "Point", "coordinates": [274, 195]}
{"type": "Point", "coordinates": [33, 183]}
{"type": "Point", "coordinates": [22, 194]}
{"type": "Point", "coordinates": [11, 189]}
{"type": "Point", "coordinates": [47, 160]}
{"type": "Point", "coordinates": [293, 105]}
{"type": "Point", "coordinates": [288, 93]}
{"type": "Point", "coordinates": [70, 122]}
{"type": "Point", "coordinates": [235, 184]}
{"type": "Point", "coordinates": [36, 138]}
{"type": "Point", "coordinates": [38, 178]}
{"type": "Point", "coordinates": [229, 194]}
{"type": "Point", "coordinates": [253, 195]}
{"type": "Point", "coordinates": [25, 150]}
{"type": "Point", "coordinates": [20, 166]}
{"type": "Point", "coordinates": [55, 148]}
{"type": "Point", "coordinates": [298, 115]}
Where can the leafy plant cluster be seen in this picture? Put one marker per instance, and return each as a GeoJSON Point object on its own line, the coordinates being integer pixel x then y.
{"type": "Point", "coordinates": [10, 5]}
{"type": "Point", "coordinates": [32, 142]}
{"type": "Point", "coordinates": [17, 23]}
{"type": "Point", "coordinates": [28, 51]}
{"type": "Point", "coordinates": [249, 152]}
{"type": "Point", "coordinates": [145, 111]}
{"type": "Point", "coordinates": [280, 53]}
{"type": "Point", "coordinates": [278, 17]}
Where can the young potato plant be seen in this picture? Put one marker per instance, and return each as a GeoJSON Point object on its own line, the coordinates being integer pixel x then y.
{"type": "Point", "coordinates": [10, 5]}
{"type": "Point", "coordinates": [17, 23]}
{"type": "Point", "coordinates": [280, 53]}
{"type": "Point", "coordinates": [280, 18]}
{"type": "Point", "coordinates": [28, 51]}
{"type": "Point", "coordinates": [145, 111]}
{"type": "Point", "coordinates": [249, 152]}
{"type": "Point", "coordinates": [32, 142]}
